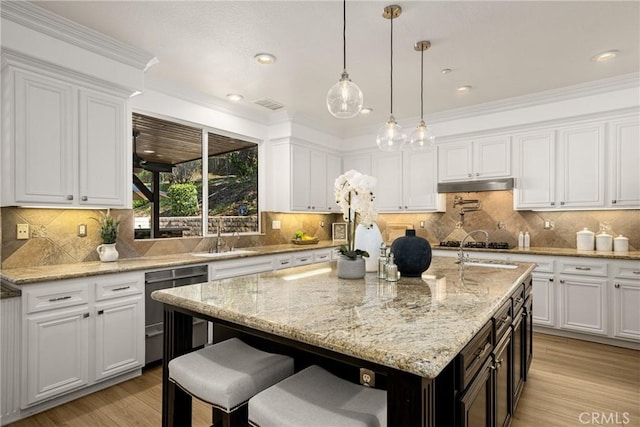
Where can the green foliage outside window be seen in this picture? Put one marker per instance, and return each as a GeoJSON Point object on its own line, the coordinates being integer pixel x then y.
{"type": "Point", "coordinates": [183, 199]}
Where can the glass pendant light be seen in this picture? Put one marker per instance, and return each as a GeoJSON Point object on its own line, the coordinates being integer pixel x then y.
{"type": "Point", "coordinates": [391, 136]}
{"type": "Point", "coordinates": [422, 137]}
{"type": "Point", "coordinates": [344, 99]}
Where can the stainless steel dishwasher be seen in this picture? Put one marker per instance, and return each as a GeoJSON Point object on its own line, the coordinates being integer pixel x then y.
{"type": "Point", "coordinates": [154, 310]}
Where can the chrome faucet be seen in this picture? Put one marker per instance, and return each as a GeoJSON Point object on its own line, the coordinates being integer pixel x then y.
{"type": "Point", "coordinates": [461, 256]}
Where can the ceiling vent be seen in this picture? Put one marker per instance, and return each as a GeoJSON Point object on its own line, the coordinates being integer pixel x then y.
{"type": "Point", "coordinates": [269, 103]}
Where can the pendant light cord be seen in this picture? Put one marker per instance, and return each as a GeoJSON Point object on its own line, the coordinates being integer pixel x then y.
{"type": "Point", "coordinates": [422, 83]}
{"type": "Point", "coordinates": [391, 74]}
{"type": "Point", "coordinates": [344, 35]}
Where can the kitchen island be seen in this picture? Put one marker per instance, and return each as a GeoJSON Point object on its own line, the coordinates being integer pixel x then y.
{"type": "Point", "coordinates": [409, 333]}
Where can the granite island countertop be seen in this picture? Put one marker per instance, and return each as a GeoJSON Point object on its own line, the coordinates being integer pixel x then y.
{"type": "Point", "coordinates": [416, 325]}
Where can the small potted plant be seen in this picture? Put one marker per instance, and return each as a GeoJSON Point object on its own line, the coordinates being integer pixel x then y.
{"type": "Point", "coordinates": [109, 228]}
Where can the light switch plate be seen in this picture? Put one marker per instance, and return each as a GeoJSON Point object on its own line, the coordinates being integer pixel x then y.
{"type": "Point", "coordinates": [82, 230]}
{"type": "Point", "coordinates": [275, 225]}
{"type": "Point", "coordinates": [22, 232]}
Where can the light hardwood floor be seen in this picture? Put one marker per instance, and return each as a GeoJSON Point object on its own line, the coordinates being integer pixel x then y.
{"type": "Point", "coordinates": [571, 383]}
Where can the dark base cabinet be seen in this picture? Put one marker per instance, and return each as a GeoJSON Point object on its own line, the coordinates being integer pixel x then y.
{"type": "Point", "coordinates": [489, 384]}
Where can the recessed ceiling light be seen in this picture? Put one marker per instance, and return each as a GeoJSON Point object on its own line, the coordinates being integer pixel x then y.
{"type": "Point", "coordinates": [234, 97]}
{"type": "Point", "coordinates": [446, 70]}
{"type": "Point", "coordinates": [366, 110]}
{"type": "Point", "coordinates": [463, 89]}
{"type": "Point", "coordinates": [265, 58]}
{"type": "Point", "coordinates": [605, 56]}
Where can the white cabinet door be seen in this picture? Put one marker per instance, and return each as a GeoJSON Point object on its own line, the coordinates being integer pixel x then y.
{"type": "Point", "coordinates": [581, 177]}
{"type": "Point", "coordinates": [119, 326]}
{"type": "Point", "coordinates": [583, 304]}
{"type": "Point", "coordinates": [102, 150]}
{"type": "Point", "coordinates": [334, 170]}
{"type": "Point", "coordinates": [387, 168]}
{"type": "Point", "coordinates": [44, 141]}
{"type": "Point", "coordinates": [455, 161]}
{"type": "Point", "coordinates": [300, 182]}
{"type": "Point", "coordinates": [535, 170]}
{"type": "Point", "coordinates": [492, 157]}
{"type": "Point", "coordinates": [317, 175]}
{"type": "Point", "coordinates": [624, 173]}
{"type": "Point", "coordinates": [420, 180]}
{"type": "Point", "coordinates": [543, 299]}
{"type": "Point", "coordinates": [626, 309]}
{"type": "Point", "coordinates": [57, 353]}
{"type": "Point", "coordinates": [358, 162]}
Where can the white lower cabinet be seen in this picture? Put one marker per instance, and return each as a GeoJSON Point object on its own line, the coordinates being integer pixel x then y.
{"type": "Point", "coordinates": [78, 332]}
{"type": "Point", "coordinates": [626, 309]}
{"type": "Point", "coordinates": [583, 304]}
{"type": "Point", "coordinates": [544, 299]}
{"type": "Point", "coordinates": [57, 353]}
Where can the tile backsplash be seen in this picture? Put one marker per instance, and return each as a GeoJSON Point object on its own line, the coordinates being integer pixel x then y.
{"type": "Point", "coordinates": [55, 241]}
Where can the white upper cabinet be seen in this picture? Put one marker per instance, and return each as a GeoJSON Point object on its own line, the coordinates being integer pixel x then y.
{"type": "Point", "coordinates": [482, 158]}
{"type": "Point", "coordinates": [301, 178]}
{"type": "Point", "coordinates": [561, 169]}
{"type": "Point", "coordinates": [406, 181]}
{"type": "Point", "coordinates": [534, 160]}
{"type": "Point", "coordinates": [581, 173]}
{"type": "Point", "coordinates": [66, 144]}
{"type": "Point", "coordinates": [624, 155]}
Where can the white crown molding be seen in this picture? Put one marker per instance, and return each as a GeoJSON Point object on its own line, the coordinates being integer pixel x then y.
{"type": "Point", "coordinates": [626, 81]}
{"type": "Point", "coordinates": [43, 21]}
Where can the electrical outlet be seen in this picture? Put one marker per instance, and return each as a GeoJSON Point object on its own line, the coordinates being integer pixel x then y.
{"type": "Point", "coordinates": [82, 230]}
{"type": "Point", "coordinates": [367, 377]}
{"type": "Point", "coordinates": [548, 224]}
{"type": "Point", "coordinates": [421, 224]}
{"type": "Point", "coordinates": [321, 223]}
{"type": "Point", "coordinates": [23, 232]}
{"type": "Point", "coordinates": [275, 225]}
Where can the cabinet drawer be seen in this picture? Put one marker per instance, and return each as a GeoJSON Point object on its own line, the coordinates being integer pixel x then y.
{"type": "Point", "coordinates": [627, 270]}
{"type": "Point", "coordinates": [282, 262]}
{"type": "Point", "coordinates": [118, 286]}
{"type": "Point", "coordinates": [502, 321]}
{"type": "Point", "coordinates": [584, 268]}
{"type": "Point", "coordinates": [54, 297]}
{"type": "Point", "coordinates": [472, 357]}
{"type": "Point", "coordinates": [303, 259]}
{"type": "Point", "coordinates": [544, 266]}
{"type": "Point", "coordinates": [322, 256]}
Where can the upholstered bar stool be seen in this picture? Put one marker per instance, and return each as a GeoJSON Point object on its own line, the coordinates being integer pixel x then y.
{"type": "Point", "coordinates": [314, 397]}
{"type": "Point", "coordinates": [226, 375]}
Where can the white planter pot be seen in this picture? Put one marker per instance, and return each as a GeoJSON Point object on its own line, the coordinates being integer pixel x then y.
{"type": "Point", "coordinates": [369, 239]}
{"type": "Point", "coordinates": [351, 268]}
{"type": "Point", "coordinates": [107, 252]}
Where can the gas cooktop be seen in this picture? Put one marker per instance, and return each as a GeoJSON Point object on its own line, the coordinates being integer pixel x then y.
{"type": "Point", "coordinates": [477, 245]}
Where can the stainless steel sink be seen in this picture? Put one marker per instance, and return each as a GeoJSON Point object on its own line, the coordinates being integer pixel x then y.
{"type": "Point", "coordinates": [223, 254]}
{"type": "Point", "coordinates": [489, 263]}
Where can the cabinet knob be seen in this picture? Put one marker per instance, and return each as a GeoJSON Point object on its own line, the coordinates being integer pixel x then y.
{"type": "Point", "coordinates": [613, 202]}
{"type": "Point", "coordinates": [70, 197]}
{"type": "Point", "coordinates": [561, 281]}
{"type": "Point", "coordinates": [469, 175]}
{"type": "Point", "coordinates": [561, 203]}
{"type": "Point", "coordinates": [85, 198]}
{"type": "Point", "coordinates": [617, 286]}
{"type": "Point", "coordinates": [100, 311]}
{"type": "Point", "coordinates": [84, 316]}
{"type": "Point", "coordinates": [551, 280]}
{"type": "Point", "coordinates": [400, 207]}
{"type": "Point", "coordinates": [308, 207]}
{"type": "Point", "coordinates": [406, 207]}
{"type": "Point", "coordinates": [553, 203]}
{"type": "Point", "coordinates": [477, 173]}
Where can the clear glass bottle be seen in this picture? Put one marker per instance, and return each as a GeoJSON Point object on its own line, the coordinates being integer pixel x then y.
{"type": "Point", "coordinates": [521, 240]}
{"type": "Point", "coordinates": [382, 262]}
{"type": "Point", "coordinates": [392, 269]}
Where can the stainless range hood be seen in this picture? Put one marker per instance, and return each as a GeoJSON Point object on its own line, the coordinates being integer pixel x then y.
{"type": "Point", "coordinates": [474, 186]}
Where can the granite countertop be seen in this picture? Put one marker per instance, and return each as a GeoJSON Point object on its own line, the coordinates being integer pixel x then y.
{"type": "Point", "coordinates": [630, 255]}
{"type": "Point", "coordinates": [7, 291]}
{"type": "Point", "coordinates": [45, 273]}
{"type": "Point", "coordinates": [29, 275]}
{"type": "Point", "coordinates": [416, 325]}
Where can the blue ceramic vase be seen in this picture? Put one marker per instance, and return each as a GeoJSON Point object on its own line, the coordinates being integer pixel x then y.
{"type": "Point", "coordinates": [412, 254]}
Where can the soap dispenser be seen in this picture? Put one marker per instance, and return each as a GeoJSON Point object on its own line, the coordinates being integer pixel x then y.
{"type": "Point", "coordinates": [382, 262]}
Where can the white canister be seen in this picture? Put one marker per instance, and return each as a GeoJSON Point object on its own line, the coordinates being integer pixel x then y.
{"type": "Point", "coordinates": [604, 242]}
{"type": "Point", "coordinates": [584, 240]}
{"type": "Point", "coordinates": [621, 244]}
